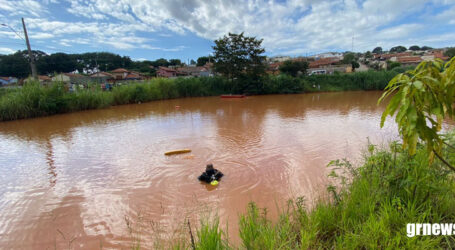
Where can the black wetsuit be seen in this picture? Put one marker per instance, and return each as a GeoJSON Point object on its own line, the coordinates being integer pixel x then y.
{"type": "Point", "coordinates": [210, 175]}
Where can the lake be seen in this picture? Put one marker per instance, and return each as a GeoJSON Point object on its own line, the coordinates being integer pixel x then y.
{"type": "Point", "coordinates": [81, 179]}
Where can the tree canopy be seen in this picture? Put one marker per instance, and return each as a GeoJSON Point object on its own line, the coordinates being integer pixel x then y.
{"type": "Point", "coordinates": [17, 64]}
{"type": "Point", "coordinates": [348, 58]}
{"type": "Point", "coordinates": [414, 48]}
{"type": "Point", "coordinates": [201, 61]}
{"type": "Point", "coordinates": [377, 50]}
{"type": "Point", "coordinates": [175, 62]}
{"type": "Point", "coordinates": [240, 57]}
{"type": "Point", "coordinates": [398, 49]}
{"type": "Point", "coordinates": [450, 52]}
{"type": "Point", "coordinates": [292, 68]}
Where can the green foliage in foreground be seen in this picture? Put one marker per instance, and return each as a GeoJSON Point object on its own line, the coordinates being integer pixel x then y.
{"type": "Point", "coordinates": [33, 100]}
{"type": "Point", "coordinates": [420, 98]}
{"type": "Point", "coordinates": [369, 211]}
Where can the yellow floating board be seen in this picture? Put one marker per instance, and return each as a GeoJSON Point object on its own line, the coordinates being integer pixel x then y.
{"type": "Point", "coordinates": [214, 183]}
{"type": "Point", "coordinates": [181, 151]}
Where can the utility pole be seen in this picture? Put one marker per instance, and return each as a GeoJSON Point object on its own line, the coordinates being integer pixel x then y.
{"type": "Point", "coordinates": [32, 59]}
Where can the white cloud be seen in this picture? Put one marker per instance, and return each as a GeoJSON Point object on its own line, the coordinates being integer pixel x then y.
{"type": "Point", "coordinates": [23, 7]}
{"type": "Point", "coordinates": [285, 26]}
{"type": "Point", "coordinates": [293, 26]}
{"type": "Point", "coordinates": [41, 36]}
{"type": "Point", "coordinates": [6, 51]}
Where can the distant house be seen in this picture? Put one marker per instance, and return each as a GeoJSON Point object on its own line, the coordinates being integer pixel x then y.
{"type": "Point", "coordinates": [166, 72]}
{"type": "Point", "coordinates": [278, 58]}
{"type": "Point", "coordinates": [324, 62]}
{"type": "Point", "coordinates": [273, 68]}
{"type": "Point", "coordinates": [435, 54]}
{"type": "Point", "coordinates": [328, 55]}
{"type": "Point", "coordinates": [409, 60]}
{"type": "Point", "coordinates": [120, 73]}
{"type": "Point", "coordinates": [44, 79]}
{"type": "Point", "coordinates": [133, 76]}
{"type": "Point", "coordinates": [202, 71]}
{"type": "Point", "coordinates": [71, 78]}
{"type": "Point", "coordinates": [391, 57]}
{"type": "Point", "coordinates": [101, 77]}
{"type": "Point", "coordinates": [7, 80]}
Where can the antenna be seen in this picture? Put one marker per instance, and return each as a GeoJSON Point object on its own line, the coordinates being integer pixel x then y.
{"type": "Point", "coordinates": [352, 50]}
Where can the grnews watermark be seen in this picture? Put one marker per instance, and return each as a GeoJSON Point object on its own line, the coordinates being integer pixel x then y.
{"type": "Point", "coordinates": [425, 229]}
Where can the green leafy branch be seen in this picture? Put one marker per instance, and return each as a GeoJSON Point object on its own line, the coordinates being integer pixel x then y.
{"type": "Point", "coordinates": [421, 99]}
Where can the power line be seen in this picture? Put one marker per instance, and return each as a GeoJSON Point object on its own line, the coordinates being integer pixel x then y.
{"type": "Point", "coordinates": [17, 34]}
{"type": "Point", "coordinates": [10, 43]}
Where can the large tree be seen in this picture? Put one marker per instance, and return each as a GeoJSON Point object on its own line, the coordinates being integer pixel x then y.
{"type": "Point", "coordinates": [294, 67]}
{"type": "Point", "coordinates": [201, 61]}
{"type": "Point", "coordinates": [14, 65]}
{"type": "Point", "coordinates": [414, 48]}
{"type": "Point", "coordinates": [160, 62]}
{"type": "Point", "coordinates": [426, 48]}
{"type": "Point", "coordinates": [175, 62]}
{"type": "Point", "coordinates": [350, 58]}
{"type": "Point", "coordinates": [377, 50]}
{"type": "Point", "coordinates": [398, 49]}
{"type": "Point", "coordinates": [450, 52]}
{"type": "Point", "coordinates": [236, 56]}
{"type": "Point", "coordinates": [58, 62]}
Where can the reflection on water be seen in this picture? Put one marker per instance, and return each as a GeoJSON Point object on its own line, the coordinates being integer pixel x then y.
{"type": "Point", "coordinates": [72, 178]}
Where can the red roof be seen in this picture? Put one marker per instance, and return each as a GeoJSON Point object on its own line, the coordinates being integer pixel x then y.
{"type": "Point", "coordinates": [324, 61]}
{"type": "Point", "coordinates": [409, 59]}
{"type": "Point", "coordinates": [101, 73]}
{"type": "Point", "coordinates": [388, 56]}
{"type": "Point", "coordinates": [441, 56]}
{"type": "Point", "coordinates": [190, 70]}
{"type": "Point", "coordinates": [44, 78]}
{"type": "Point", "coordinates": [72, 75]}
{"type": "Point", "coordinates": [167, 69]}
{"type": "Point", "coordinates": [133, 76]}
{"type": "Point", "coordinates": [120, 70]}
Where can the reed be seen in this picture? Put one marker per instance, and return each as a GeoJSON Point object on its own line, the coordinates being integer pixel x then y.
{"type": "Point", "coordinates": [33, 99]}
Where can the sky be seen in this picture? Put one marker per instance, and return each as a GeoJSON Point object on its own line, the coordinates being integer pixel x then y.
{"type": "Point", "coordinates": [186, 29]}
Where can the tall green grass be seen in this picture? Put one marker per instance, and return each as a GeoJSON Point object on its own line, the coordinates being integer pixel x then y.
{"type": "Point", "coordinates": [368, 80]}
{"type": "Point", "coordinates": [33, 100]}
{"type": "Point", "coordinates": [210, 236]}
{"type": "Point", "coordinates": [369, 211]}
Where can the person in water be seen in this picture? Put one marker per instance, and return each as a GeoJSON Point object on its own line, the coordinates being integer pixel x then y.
{"type": "Point", "coordinates": [210, 174]}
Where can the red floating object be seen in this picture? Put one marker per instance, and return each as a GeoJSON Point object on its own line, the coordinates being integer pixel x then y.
{"type": "Point", "coordinates": [233, 96]}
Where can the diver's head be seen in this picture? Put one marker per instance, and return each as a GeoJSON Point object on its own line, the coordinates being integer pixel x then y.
{"type": "Point", "coordinates": [209, 167]}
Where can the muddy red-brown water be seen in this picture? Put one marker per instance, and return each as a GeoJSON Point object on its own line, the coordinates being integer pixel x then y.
{"type": "Point", "coordinates": [77, 180]}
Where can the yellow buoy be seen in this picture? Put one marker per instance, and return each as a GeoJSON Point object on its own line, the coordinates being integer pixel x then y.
{"type": "Point", "coordinates": [181, 151]}
{"type": "Point", "coordinates": [214, 183]}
